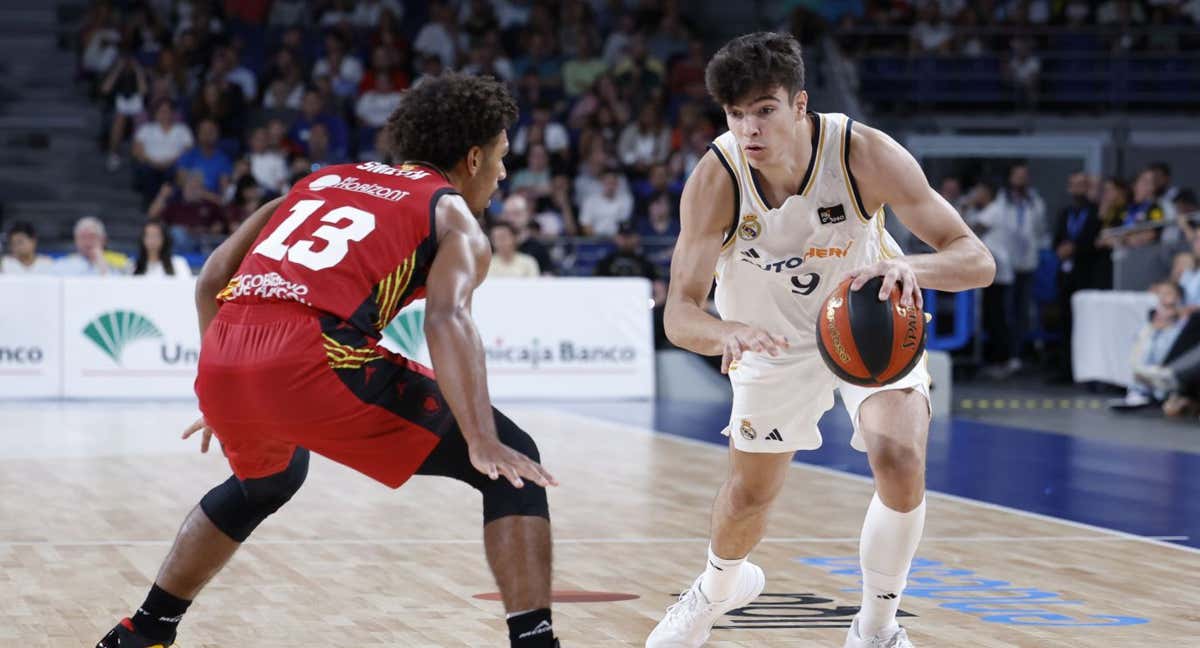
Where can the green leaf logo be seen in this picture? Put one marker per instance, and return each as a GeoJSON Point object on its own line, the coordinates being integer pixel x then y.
{"type": "Point", "coordinates": [407, 331]}
{"type": "Point", "coordinates": [112, 331]}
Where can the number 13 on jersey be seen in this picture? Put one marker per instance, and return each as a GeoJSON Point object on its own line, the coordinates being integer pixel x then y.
{"type": "Point", "coordinates": [345, 225]}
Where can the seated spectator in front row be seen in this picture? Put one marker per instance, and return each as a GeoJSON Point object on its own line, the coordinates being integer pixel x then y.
{"type": "Point", "coordinates": [193, 216]}
{"type": "Point", "coordinates": [154, 257]}
{"type": "Point", "coordinates": [22, 257]}
{"type": "Point", "coordinates": [1170, 333]}
{"type": "Point", "coordinates": [506, 260]}
{"type": "Point", "coordinates": [90, 257]}
{"type": "Point", "coordinates": [518, 213]}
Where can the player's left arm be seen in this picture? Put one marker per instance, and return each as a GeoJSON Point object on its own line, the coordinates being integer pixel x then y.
{"type": "Point", "coordinates": [887, 173]}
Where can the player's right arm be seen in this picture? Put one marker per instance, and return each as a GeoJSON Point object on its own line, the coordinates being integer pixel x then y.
{"type": "Point", "coordinates": [224, 261]}
{"type": "Point", "coordinates": [705, 208]}
{"type": "Point", "coordinates": [459, 266]}
{"type": "Point", "coordinates": [215, 275]}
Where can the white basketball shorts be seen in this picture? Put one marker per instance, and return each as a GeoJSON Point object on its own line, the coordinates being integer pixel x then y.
{"type": "Point", "coordinates": [777, 402]}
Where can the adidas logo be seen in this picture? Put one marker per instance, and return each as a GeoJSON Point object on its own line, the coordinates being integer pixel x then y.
{"type": "Point", "coordinates": [775, 435]}
{"type": "Point", "coordinates": [540, 628]}
{"type": "Point", "coordinates": [890, 596]}
{"type": "Point", "coordinates": [751, 252]}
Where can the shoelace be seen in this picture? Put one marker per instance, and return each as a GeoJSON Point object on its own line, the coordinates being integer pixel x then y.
{"type": "Point", "coordinates": [897, 640]}
{"type": "Point", "coordinates": [688, 601]}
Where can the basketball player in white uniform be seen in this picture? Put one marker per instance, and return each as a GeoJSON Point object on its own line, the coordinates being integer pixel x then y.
{"type": "Point", "coordinates": [782, 208]}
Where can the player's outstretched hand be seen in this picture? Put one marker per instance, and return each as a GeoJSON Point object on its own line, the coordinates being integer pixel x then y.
{"type": "Point", "coordinates": [199, 425]}
{"type": "Point", "coordinates": [749, 338]}
{"type": "Point", "coordinates": [894, 271]}
{"type": "Point", "coordinates": [495, 459]}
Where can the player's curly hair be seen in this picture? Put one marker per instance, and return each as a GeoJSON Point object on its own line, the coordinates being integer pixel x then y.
{"type": "Point", "coordinates": [441, 118]}
{"type": "Point", "coordinates": [757, 62]}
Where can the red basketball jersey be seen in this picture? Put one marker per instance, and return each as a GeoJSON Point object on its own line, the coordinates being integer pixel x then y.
{"type": "Point", "coordinates": [355, 241]}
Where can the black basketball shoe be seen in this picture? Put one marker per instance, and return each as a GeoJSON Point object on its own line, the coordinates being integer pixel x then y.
{"type": "Point", "coordinates": [124, 636]}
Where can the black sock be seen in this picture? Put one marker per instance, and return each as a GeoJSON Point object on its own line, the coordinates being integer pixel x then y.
{"type": "Point", "coordinates": [159, 615]}
{"type": "Point", "coordinates": [531, 630]}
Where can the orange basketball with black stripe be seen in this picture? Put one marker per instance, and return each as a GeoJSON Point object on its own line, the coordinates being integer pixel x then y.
{"type": "Point", "coordinates": [869, 342]}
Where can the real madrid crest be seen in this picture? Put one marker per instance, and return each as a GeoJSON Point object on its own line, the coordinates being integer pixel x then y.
{"type": "Point", "coordinates": [748, 432]}
{"type": "Point", "coordinates": [750, 228]}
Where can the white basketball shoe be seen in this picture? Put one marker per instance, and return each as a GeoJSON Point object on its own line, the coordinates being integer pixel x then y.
{"type": "Point", "coordinates": [897, 638]}
{"type": "Point", "coordinates": [688, 623]}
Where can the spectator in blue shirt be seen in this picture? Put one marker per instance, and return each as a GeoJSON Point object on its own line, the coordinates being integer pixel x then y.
{"type": "Point", "coordinates": [208, 160]}
{"type": "Point", "coordinates": [312, 111]}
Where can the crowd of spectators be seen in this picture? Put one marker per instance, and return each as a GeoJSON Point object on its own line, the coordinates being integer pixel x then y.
{"type": "Point", "coordinates": [1073, 249]}
{"type": "Point", "coordinates": [961, 28]}
{"type": "Point", "coordinates": [218, 107]}
{"type": "Point", "coordinates": [1015, 53]}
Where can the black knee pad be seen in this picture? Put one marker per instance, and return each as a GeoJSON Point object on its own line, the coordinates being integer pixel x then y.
{"type": "Point", "coordinates": [237, 507]}
{"type": "Point", "coordinates": [500, 497]}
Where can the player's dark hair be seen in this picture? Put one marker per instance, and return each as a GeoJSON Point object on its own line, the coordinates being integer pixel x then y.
{"type": "Point", "coordinates": [440, 119]}
{"type": "Point", "coordinates": [755, 63]}
{"type": "Point", "coordinates": [22, 227]}
{"type": "Point", "coordinates": [1161, 167]}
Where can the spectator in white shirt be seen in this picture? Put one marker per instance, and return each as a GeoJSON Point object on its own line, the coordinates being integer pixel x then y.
{"type": "Point", "coordinates": [267, 165]}
{"type": "Point", "coordinates": [376, 105]}
{"type": "Point", "coordinates": [439, 36]}
{"type": "Point", "coordinates": [645, 142]}
{"type": "Point", "coordinates": [344, 70]}
{"type": "Point", "coordinates": [932, 33]}
{"type": "Point", "coordinates": [554, 135]}
{"type": "Point", "coordinates": [154, 257]}
{"type": "Point", "coordinates": [619, 39]}
{"type": "Point", "coordinates": [506, 260]}
{"type": "Point", "coordinates": [604, 212]}
{"type": "Point", "coordinates": [157, 146]}
{"type": "Point", "coordinates": [22, 257]}
{"type": "Point", "coordinates": [285, 82]}
{"type": "Point", "coordinates": [590, 179]}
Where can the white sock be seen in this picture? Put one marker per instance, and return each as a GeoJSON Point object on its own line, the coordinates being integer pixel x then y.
{"type": "Point", "coordinates": [889, 542]}
{"type": "Point", "coordinates": [720, 576]}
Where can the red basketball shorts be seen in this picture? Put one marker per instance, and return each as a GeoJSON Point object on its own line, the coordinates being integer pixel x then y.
{"type": "Point", "coordinates": [276, 376]}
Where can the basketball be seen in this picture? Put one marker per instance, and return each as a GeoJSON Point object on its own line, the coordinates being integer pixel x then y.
{"type": "Point", "coordinates": [869, 342]}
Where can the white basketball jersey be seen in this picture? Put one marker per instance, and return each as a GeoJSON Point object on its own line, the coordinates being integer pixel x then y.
{"type": "Point", "coordinates": [780, 261]}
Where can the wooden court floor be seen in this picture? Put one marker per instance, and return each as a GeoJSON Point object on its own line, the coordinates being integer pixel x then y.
{"type": "Point", "coordinates": [90, 497]}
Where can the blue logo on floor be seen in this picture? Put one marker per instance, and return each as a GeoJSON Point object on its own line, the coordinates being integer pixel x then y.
{"type": "Point", "coordinates": [994, 601]}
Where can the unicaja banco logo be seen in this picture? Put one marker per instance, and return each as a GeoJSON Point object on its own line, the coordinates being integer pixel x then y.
{"type": "Point", "coordinates": [407, 331]}
{"type": "Point", "coordinates": [114, 330]}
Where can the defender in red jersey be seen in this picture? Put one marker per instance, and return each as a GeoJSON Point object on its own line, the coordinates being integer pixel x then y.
{"type": "Point", "coordinates": [291, 308]}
